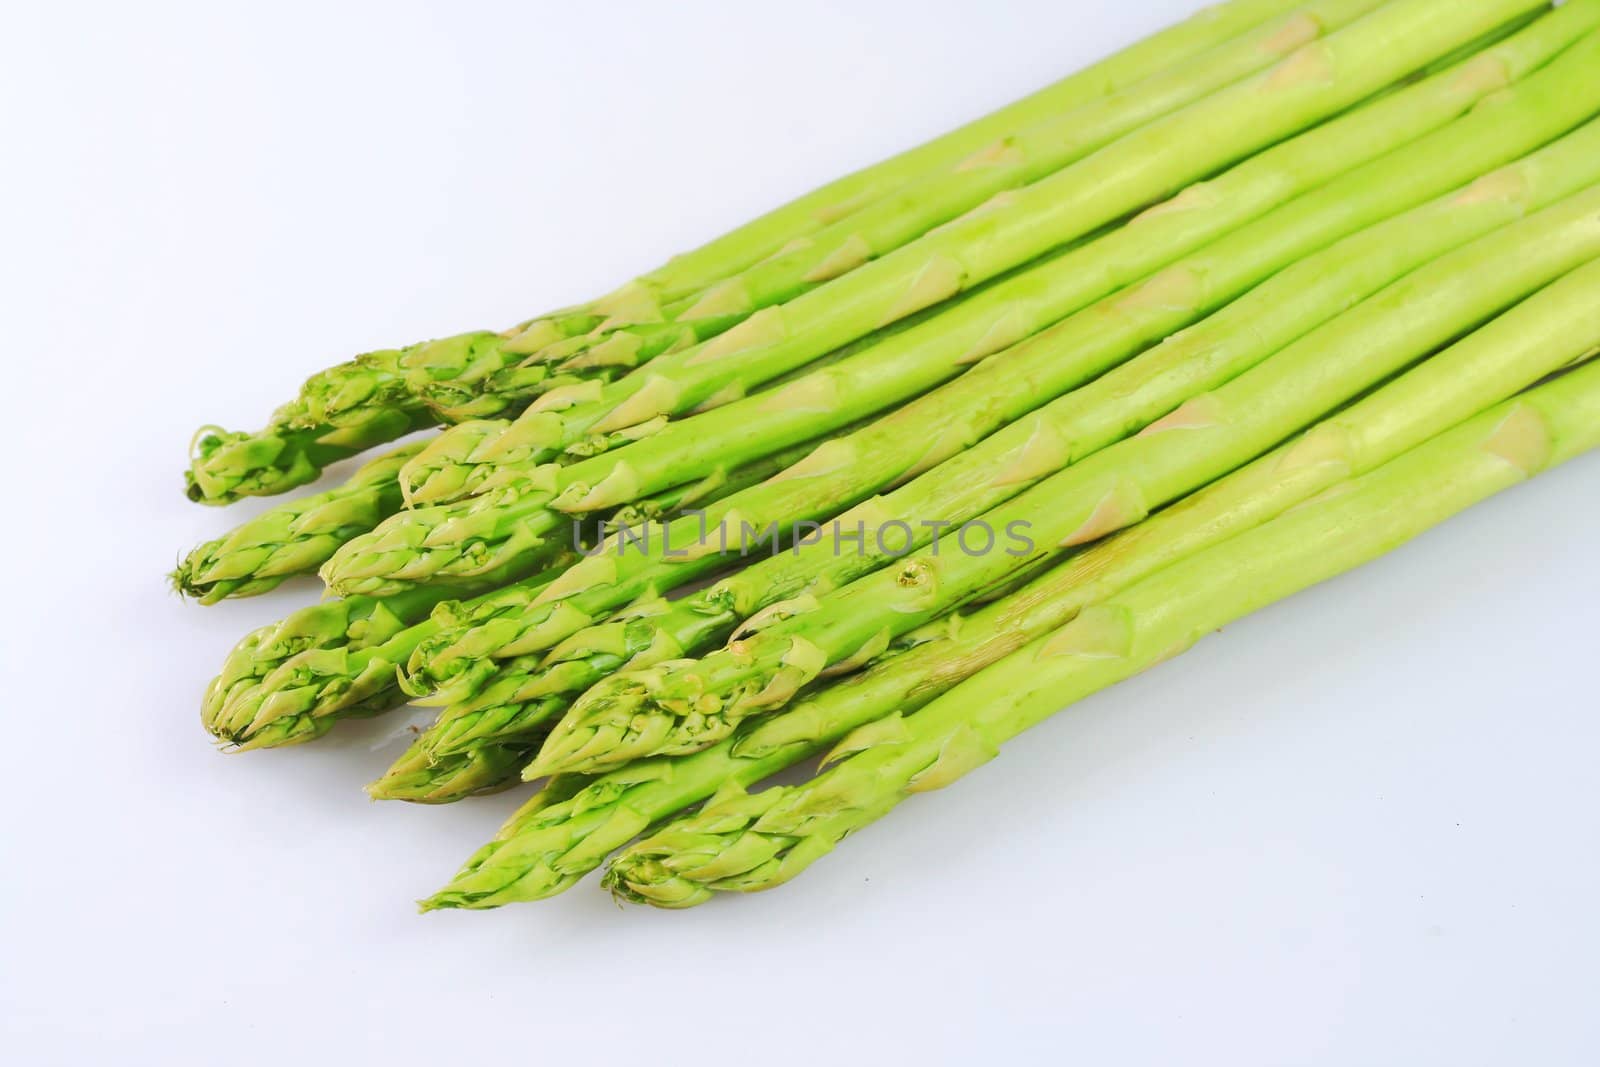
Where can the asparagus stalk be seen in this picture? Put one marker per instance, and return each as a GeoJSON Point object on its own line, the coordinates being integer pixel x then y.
{"type": "Point", "coordinates": [683, 283]}
{"type": "Point", "coordinates": [446, 471]}
{"type": "Point", "coordinates": [294, 538]}
{"type": "Point", "coordinates": [420, 777]}
{"type": "Point", "coordinates": [351, 624]}
{"type": "Point", "coordinates": [546, 847]}
{"type": "Point", "coordinates": [516, 703]}
{"type": "Point", "coordinates": [1314, 83]}
{"type": "Point", "coordinates": [681, 707]}
{"type": "Point", "coordinates": [743, 842]}
{"type": "Point", "coordinates": [1019, 158]}
{"type": "Point", "coordinates": [377, 397]}
{"type": "Point", "coordinates": [1539, 110]}
{"type": "Point", "coordinates": [689, 274]}
{"type": "Point", "coordinates": [340, 412]}
{"type": "Point", "coordinates": [281, 690]}
{"type": "Point", "coordinates": [449, 542]}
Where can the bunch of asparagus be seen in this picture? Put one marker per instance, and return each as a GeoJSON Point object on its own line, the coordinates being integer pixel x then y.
{"type": "Point", "coordinates": [897, 470]}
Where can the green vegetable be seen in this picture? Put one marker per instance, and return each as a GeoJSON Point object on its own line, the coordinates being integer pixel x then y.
{"type": "Point", "coordinates": [290, 683]}
{"type": "Point", "coordinates": [448, 471]}
{"type": "Point", "coordinates": [339, 413]}
{"type": "Point", "coordinates": [296, 537]}
{"type": "Point", "coordinates": [430, 773]}
{"type": "Point", "coordinates": [350, 624]}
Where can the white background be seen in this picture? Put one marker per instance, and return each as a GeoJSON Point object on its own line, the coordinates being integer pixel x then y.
{"type": "Point", "coordinates": [1359, 828]}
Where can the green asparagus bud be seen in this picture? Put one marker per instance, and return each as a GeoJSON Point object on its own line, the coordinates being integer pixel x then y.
{"type": "Point", "coordinates": [340, 412]}
{"type": "Point", "coordinates": [293, 538]}
{"type": "Point", "coordinates": [291, 683]}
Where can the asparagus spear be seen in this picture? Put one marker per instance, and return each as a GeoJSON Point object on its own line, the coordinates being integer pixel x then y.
{"type": "Point", "coordinates": [281, 690]}
{"type": "Point", "coordinates": [696, 271]}
{"type": "Point", "coordinates": [547, 846]}
{"type": "Point", "coordinates": [446, 470]}
{"type": "Point", "coordinates": [449, 542]}
{"type": "Point", "coordinates": [743, 842]}
{"type": "Point", "coordinates": [376, 397]}
{"type": "Point", "coordinates": [294, 538]}
{"type": "Point", "coordinates": [351, 624]}
{"type": "Point", "coordinates": [689, 274]}
{"type": "Point", "coordinates": [684, 706]}
{"type": "Point", "coordinates": [970, 408]}
{"type": "Point", "coordinates": [1315, 82]}
{"type": "Point", "coordinates": [420, 777]}
{"type": "Point", "coordinates": [1021, 157]}
{"type": "Point", "coordinates": [957, 185]}
{"type": "Point", "coordinates": [340, 412]}
{"type": "Point", "coordinates": [682, 283]}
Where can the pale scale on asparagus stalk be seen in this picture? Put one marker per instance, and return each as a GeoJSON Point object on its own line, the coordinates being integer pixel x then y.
{"type": "Point", "coordinates": [1519, 120]}
{"type": "Point", "coordinates": [744, 842]}
{"type": "Point", "coordinates": [552, 842]}
{"type": "Point", "coordinates": [452, 543]}
{"type": "Point", "coordinates": [683, 706]}
{"type": "Point", "coordinates": [515, 702]}
{"type": "Point", "coordinates": [375, 398]}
